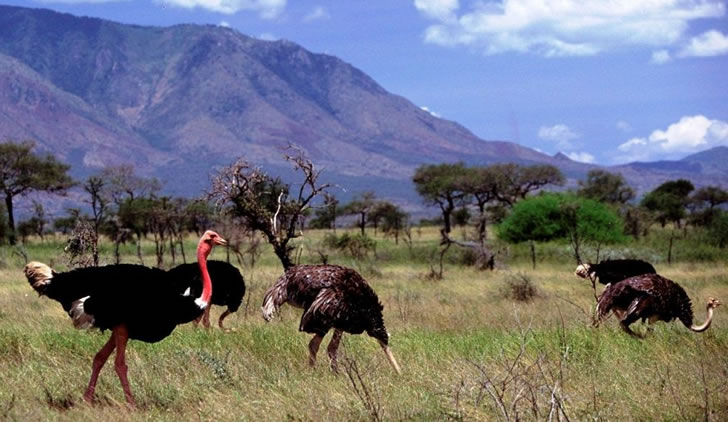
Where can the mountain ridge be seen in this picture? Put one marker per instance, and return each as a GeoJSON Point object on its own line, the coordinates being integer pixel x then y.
{"type": "Point", "coordinates": [179, 101]}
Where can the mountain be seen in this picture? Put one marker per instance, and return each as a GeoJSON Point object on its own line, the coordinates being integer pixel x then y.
{"type": "Point", "coordinates": [180, 101]}
{"type": "Point", "coordinates": [703, 168]}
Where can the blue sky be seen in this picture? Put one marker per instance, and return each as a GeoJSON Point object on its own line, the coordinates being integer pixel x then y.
{"type": "Point", "coordinates": [604, 81]}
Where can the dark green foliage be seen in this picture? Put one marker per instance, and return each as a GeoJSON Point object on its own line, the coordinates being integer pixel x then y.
{"type": "Point", "coordinates": [357, 246]}
{"type": "Point", "coordinates": [22, 171]}
{"type": "Point", "coordinates": [538, 219]}
{"type": "Point", "coordinates": [555, 216]}
{"type": "Point", "coordinates": [440, 184]}
{"type": "Point", "coordinates": [668, 201]}
{"type": "Point", "coordinates": [718, 230]}
{"type": "Point", "coordinates": [705, 203]}
{"type": "Point", "coordinates": [325, 215]}
{"type": "Point", "coordinates": [603, 186]}
{"type": "Point", "coordinates": [3, 224]}
{"type": "Point", "coordinates": [362, 206]}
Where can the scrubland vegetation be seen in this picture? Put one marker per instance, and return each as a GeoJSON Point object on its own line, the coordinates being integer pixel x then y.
{"type": "Point", "coordinates": [515, 343]}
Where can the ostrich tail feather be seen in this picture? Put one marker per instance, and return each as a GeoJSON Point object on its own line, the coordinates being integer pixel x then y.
{"type": "Point", "coordinates": [39, 275]}
{"type": "Point", "coordinates": [268, 307]}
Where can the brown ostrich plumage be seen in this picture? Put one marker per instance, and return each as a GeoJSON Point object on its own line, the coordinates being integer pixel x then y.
{"type": "Point", "coordinates": [331, 297]}
{"type": "Point", "coordinates": [650, 297]}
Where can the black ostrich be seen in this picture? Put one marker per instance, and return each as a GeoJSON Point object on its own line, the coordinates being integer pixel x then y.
{"type": "Point", "coordinates": [653, 298]}
{"type": "Point", "coordinates": [331, 297]}
{"type": "Point", "coordinates": [228, 286]}
{"type": "Point", "coordinates": [614, 270]}
{"type": "Point", "coordinates": [132, 301]}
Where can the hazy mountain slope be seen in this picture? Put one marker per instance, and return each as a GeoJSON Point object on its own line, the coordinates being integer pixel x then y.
{"type": "Point", "coordinates": [179, 101]}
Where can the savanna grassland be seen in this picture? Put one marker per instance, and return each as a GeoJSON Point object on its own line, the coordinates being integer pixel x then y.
{"type": "Point", "coordinates": [468, 349]}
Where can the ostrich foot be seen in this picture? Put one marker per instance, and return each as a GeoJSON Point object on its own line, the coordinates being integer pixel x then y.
{"type": "Point", "coordinates": [629, 331]}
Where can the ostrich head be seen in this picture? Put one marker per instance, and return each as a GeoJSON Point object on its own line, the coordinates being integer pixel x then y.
{"type": "Point", "coordinates": [39, 275]}
{"type": "Point", "coordinates": [208, 240]}
{"type": "Point", "coordinates": [713, 303]}
{"type": "Point", "coordinates": [585, 271]}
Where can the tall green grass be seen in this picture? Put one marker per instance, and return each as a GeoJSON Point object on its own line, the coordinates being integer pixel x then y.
{"type": "Point", "coordinates": [468, 351]}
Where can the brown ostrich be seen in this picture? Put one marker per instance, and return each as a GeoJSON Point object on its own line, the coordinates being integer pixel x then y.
{"type": "Point", "coordinates": [331, 297]}
{"type": "Point", "coordinates": [132, 301]}
{"type": "Point", "coordinates": [650, 297]}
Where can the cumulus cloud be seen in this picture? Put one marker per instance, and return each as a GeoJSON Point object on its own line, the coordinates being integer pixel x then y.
{"type": "Point", "coordinates": [319, 12]}
{"type": "Point", "coordinates": [224, 24]}
{"type": "Point", "coordinates": [689, 135]}
{"type": "Point", "coordinates": [582, 157]}
{"type": "Point", "coordinates": [438, 9]}
{"type": "Point", "coordinates": [710, 43]}
{"type": "Point", "coordinates": [562, 135]}
{"type": "Point", "coordinates": [563, 28]}
{"type": "Point", "coordinates": [267, 9]}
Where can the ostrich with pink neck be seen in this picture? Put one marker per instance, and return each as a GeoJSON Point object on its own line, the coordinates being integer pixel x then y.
{"type": "Point", "coordinates": [132, 301]}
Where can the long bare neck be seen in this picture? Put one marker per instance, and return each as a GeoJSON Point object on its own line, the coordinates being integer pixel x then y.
{"type": "Point", "coordinates": [706, 324]}
{"type": "Point", "coordinates": [203, 250]}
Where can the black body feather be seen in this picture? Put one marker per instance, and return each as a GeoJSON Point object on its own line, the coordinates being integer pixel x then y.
{"type": "Point", "coordinates": [142, 298]}
{"type": "Point", "coordinates": [228, 285]}
{"type": "Point", "coordinates": [615, 270]}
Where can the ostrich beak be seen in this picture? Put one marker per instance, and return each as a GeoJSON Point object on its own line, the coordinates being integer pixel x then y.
{"type": "Point", "coordinates": [220, 241]}
{"type": "Point", "coordinates": [390, 358]}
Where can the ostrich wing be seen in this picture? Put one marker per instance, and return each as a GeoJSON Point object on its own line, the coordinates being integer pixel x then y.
{"type": "Point", "coordinates": [328, 308]}
{"type": "Point", "coordinates": [620, 295]}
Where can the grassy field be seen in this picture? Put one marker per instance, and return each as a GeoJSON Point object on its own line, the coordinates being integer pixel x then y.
{"type": "Point", "coordinates": [467, 349]}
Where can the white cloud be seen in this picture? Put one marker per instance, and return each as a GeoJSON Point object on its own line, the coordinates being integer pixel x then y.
{"type": "Point", "coordinates": [691, 134]}
{"type": "Point", "coordinates": [267, 9]}
{"type": "Point", "coordinates": [431, 112]}
{"type": "Point", "coordinates": [319, 12]}
{"type": "Point", "coordinates": [561, 134]}
{"type": "Point", "coordinates": [624, 126]}
{"type": "Point", "coordinates": [710, 43]}
{"type": "Point", "coordinates": [661, 57]}
{"type": "Point", "coordinates": [565, 27]}
{"type": "Point", "coordinates": [439, 9]}
{"type": "Point", "coordinates": [224, 24]}
{"type": "Point", "coordinates": [583, 157]}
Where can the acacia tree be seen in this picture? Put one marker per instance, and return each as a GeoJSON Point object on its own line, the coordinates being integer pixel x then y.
{"type": "Point", "coordinates": [266, 204]}
{"type": "Point", "coordinates": [481, 183]}
{"type": "Point", "coordinates": [440, 184]}
{"type": "Point", "coordinates": [705, 202]}
{"type": "Point", "coordinates": [325, 215]}
{"type": "Point", "coordinates": [669, 201]}
{"type": "Point", "coordinates": [606, 187]}
{"type": "Point", "coordinates": [362, 205]}
{"type": "Point", "coordinates": [22, 171]}
{"type": "Point", "coordinates": [515, 182]}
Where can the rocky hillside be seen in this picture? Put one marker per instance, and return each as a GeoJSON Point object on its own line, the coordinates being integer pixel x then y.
{"type": "Point", "coordinates": [179, 101]}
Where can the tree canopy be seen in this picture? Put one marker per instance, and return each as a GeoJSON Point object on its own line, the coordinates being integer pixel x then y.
{"type": "Point", "coordinates": [22, 171]}
{"type": "Point", "coordinates": [603, 186]}
{"type": "Point", "coordinates": [669, 200]}
{"type": "Point", "coordinates": [552, 216]}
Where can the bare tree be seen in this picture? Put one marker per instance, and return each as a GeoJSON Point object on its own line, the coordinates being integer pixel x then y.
{"type": "Point", "coordinates": [266, 204]}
